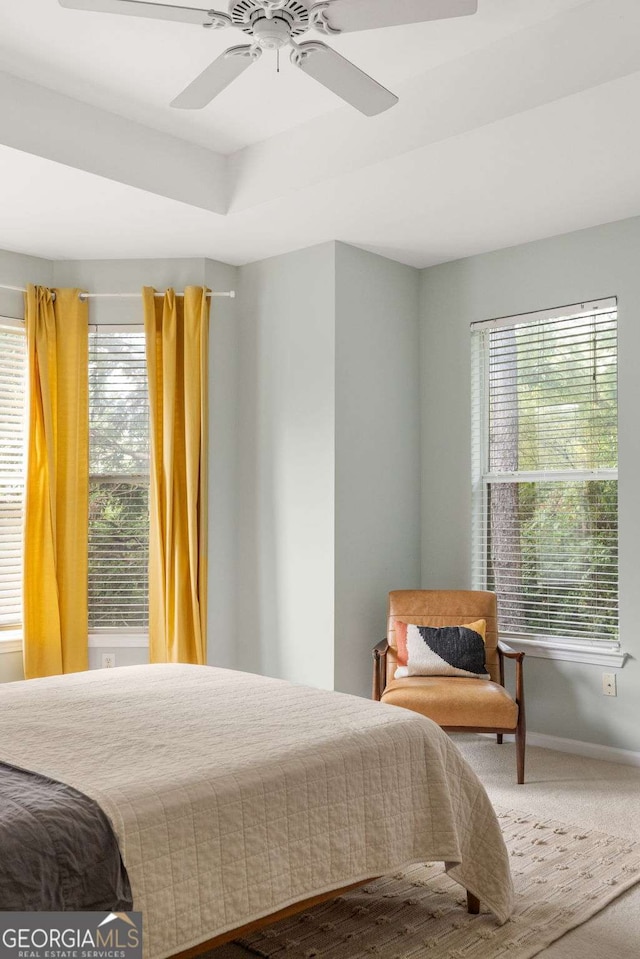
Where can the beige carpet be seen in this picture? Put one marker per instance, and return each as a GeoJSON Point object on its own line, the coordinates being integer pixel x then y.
{"type": "Point", "coordinates": [595, 794]}
{"type": "Point", "coordinates": [562, 875]}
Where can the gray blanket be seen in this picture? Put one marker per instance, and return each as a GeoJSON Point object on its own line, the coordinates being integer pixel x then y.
{"type": "Point", "coordinates": [58, 851]}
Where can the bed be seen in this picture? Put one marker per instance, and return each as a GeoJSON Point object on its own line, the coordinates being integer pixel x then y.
{"type": "Point", "coordinates": [234, 797]}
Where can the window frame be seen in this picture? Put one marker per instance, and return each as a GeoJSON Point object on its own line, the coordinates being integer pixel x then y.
{"type": "Point", "coordinates": [572, 649]}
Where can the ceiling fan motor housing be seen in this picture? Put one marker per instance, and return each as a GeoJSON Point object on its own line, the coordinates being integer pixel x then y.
{"type": "Point", "coordinates": [271, 34]}
{"type": "Point", "coordinates": [290, 19]}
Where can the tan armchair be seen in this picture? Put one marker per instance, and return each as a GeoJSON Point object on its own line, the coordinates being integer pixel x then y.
{"type": "Point", "coordinates": [454, 703]}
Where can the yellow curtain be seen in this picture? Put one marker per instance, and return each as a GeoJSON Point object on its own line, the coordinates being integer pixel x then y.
{"type": "Point", "coordinates": [177, 332]}
{"type": "Point", "coordinates": [55, 618]}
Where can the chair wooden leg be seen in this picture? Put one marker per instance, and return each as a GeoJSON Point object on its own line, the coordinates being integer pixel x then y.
{"type": "Point", "coordinates": [499, 738]}
{"type": "Point", "coordinates": [473, 904]}
{"type": "Point", "coordinates": [521, 728]}
{"type": "Point", "coordinates": [521, 737]}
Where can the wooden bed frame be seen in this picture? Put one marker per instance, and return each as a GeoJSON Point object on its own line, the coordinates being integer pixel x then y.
{"type": "Point", "coordinates": [473, 907]}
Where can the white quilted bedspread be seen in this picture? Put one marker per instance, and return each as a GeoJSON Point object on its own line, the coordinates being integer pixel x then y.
{"type": "Point", "coordinates": [234, 796]}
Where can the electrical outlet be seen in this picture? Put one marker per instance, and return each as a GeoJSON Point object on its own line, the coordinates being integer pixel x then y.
{"type": "Point", "coordinates": [609, 684]}
{"type": "Point", "coordinates": [108, 660]}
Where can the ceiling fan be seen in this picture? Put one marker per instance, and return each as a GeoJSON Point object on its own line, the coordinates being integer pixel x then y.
{"type": "Point", "coordinates": [273, 24]}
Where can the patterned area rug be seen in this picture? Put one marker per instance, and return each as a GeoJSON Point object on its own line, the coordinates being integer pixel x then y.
{"type": "Point", "coordinates": [563, 876]}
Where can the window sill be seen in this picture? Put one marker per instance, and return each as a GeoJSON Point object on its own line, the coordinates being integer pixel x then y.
{"type": "Point", "coordinates": [11, 641]}
{"type": "Point", "coordinates": [115, 640]}
{"type": "Point", "coordinates": [569, 652]}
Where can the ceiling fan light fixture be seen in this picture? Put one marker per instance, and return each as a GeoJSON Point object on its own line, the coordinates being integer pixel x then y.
{"type": "Point", "coordinates": [272, 33]}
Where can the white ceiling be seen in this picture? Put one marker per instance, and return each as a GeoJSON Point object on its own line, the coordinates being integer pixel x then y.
{"type": "Point", "coordinates": [512, 125]}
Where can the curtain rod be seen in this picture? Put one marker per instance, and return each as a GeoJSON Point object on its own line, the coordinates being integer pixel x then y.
{"type": "Point", "coordinates": [93, 296]}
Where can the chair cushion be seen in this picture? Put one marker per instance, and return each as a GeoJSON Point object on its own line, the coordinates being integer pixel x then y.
{"type": "Point", "coordinates": [453, 701]}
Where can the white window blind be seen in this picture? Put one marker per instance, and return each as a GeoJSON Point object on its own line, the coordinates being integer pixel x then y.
{"type": "Point", "coordinates": [119, 481]}
{"type": "Point", "coordinates": [13, 366]}
{"type": "Point", "coordinates": [545, 528]}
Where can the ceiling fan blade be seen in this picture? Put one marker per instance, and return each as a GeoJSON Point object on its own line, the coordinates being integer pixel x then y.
{"type": "Point", "coordinates": [154, 11]}
{"type": "Point", "coordinates": [344, 78]}
{"type": "Point", "coordinates": [344, 16]}
{"type": "Point", "coordinates": [216, 77]}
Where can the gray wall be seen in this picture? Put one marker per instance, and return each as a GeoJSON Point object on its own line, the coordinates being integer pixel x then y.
{"type": "Point", "coordinates": [16, 269]}
{"type": "Point", "coordinates": [285, 479]}
{"type": "Point", "coordinates": [11, 667]}
{"type": "Point", "coordinates": [564, 699]}
{"type": "Point", "coordinates": [329, 466]}
{"type": "Point", "coordinates": [377, 452]}
{"type": "Point", "coordinates": [223, 428]}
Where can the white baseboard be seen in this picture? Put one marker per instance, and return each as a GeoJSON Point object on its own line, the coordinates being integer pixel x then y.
{"type": "Point", "coordinates": [609, 754]}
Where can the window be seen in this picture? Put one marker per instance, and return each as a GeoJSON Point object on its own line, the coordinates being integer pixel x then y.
{"type": "Point", "coordinates": [13, 368]}
{"type": "Point", "coordinates": [545, 473]}
{"type": "Point", "coordinates": [118, 482]}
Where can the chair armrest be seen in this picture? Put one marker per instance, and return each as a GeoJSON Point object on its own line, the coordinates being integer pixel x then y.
{"type": "Point", "coordinates": [379, 653]}
{"type": "Point", "coordinates": [505, 650]}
